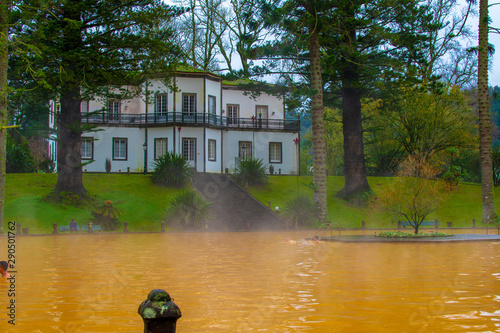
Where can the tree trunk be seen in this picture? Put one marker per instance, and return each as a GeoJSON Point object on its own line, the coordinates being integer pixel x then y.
{"type": "Point", "coordinates": [354, 158]}
{"type": "Point", "coordinates": [69, 167]}
{"type": "Point", "coordinates": [4, 117]}
{"type": "Point", "coordinates": [319, 153]}
{"type": "Point", "coordinates": [484, 117]}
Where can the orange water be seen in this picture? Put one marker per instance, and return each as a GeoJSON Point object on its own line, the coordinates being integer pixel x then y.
{"type": "Point", "coordinates": [253, 282]}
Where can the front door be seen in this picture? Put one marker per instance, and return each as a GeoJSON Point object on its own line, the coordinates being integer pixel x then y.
{"type": "Point", "coordinates": [189, 151]}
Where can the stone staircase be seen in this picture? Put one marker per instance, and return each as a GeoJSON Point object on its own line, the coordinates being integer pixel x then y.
{"type": "Point", "coordinates": [233, 208]}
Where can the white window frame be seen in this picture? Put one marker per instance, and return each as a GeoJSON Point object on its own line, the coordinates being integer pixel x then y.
{"type": "Point", "coordinates": [212, 104]}
{"type": "Point", "coordinates": [263, 109]}
{"type": "Point", "coordinates": [188, 103]}
{"type": "Point", "coordinates": [161, 104]}
{"type": "Point", "coordinates": [87, 148]}
{"type": "Point", "coordinates": [244, 149]}
{"type": "Point", "coordinates": [84, 106]}
{"type": "Point", "coordinates": [114, 109]}
{"type": "Point", "coordinates": [212, 150]}
{"type": "Point", "coordinates": [233, 113]}
{"type": "Point", "coordinates": [275, 156]}
{"type": "Point", "coordinates": [161, 147]}
{"type": "Point", "coordinates": [120, 149]}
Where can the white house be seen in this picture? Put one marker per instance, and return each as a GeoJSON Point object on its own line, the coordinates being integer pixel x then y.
{"type": "Point", "coordinates": [211, 123]}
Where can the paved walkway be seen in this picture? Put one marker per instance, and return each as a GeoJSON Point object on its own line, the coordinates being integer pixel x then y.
{"type": "Point", "coordinates": [373, 239]}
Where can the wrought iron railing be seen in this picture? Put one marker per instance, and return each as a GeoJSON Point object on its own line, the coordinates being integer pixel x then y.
{"type": "Point", "coordinates": [184, 118]}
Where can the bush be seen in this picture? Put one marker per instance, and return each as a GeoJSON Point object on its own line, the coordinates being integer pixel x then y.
{"type": "Point", "coordinates": [19, 158]}
{"type": "Point", "coordinates": [171, 170]}
{"type": "Point", "coordinates": [251, 171]}
{"type": "Point", "coordinates": [301, 210]}
{"type": "Point", "coordinates": [399, 234]}
{"type": "Point", "coordinates": [188, 209]}
{"type": "Point", "coordinates": [107, 216]}
{"type": "Point", "coordinates": [107, 165]}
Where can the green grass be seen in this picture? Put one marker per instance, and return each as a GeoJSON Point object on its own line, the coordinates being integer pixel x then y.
{"type": "Point", "coordinates": [462, 205]}
{"type": "Point", "coordinates": [144, 204]}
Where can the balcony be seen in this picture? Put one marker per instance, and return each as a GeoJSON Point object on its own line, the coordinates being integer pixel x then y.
{"type": "Point", "coordinates": [191, 119]}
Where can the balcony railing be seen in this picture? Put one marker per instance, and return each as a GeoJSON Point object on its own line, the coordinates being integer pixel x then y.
{"type": "Point", "coordinates": [192, 119]}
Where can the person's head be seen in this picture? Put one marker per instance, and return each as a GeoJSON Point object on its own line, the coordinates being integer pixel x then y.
{"type": "Point", "coordinates": [316, 238]}
{"type": "Point", "coordinates": [4, 266]}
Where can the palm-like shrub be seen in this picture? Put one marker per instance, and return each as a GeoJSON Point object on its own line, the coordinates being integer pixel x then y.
{"type": "Point", "coordinates": [251, 171]}
{"type": "Point", "coordinates": [188, 209]}
{"type": "Point", "coordinates": [301, 210]}
{"type": "Point", "coordinates": [107, 216]}
{"type": "Point", "coordinates": [171, 170]}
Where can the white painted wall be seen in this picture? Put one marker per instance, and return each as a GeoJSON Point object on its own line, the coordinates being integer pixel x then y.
{"type": "Point", "coordinates": [260, 149]}
{"type": "Point", "coordinates": [248, 105]}
{"type": "Point", "coordinates": [227, 142]}
{"type": "Point", "coordinates": [103, 148]}
{"type": "Point", "coordinates": [214, 166]}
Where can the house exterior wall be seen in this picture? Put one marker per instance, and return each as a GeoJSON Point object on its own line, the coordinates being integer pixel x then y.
{"type": "Point", "coordinates": [248, 105]}
{"type": "Point", "coordinates": [215, 138]}
{"type": "Point", "coordinates": [260, 142]}
{"type": "Point", "coordinates": [103, 149]}
{"type": "Point", "coordinates": [217, 164]}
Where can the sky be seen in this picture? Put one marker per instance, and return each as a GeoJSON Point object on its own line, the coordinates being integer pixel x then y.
{"type": "Point", "coordinates": [494, 38]}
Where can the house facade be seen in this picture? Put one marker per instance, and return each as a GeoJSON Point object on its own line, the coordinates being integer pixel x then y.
{"type": "Point", "coordinates": [212, 123]}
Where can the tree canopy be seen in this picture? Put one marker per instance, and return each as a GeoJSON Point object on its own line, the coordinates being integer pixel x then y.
{"type": "Point", "coordinates": [80, 49]}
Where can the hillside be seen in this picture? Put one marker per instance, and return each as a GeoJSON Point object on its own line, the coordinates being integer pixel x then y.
{"type": "Point", "coordinates": [144, 204]}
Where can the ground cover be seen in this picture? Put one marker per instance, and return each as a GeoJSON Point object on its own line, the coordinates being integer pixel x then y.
{"type": "Point", "coordinates": [399, 234]}
{"type": "Point", "coordinates": [144, 204]}
{"type": "Point", "coordinates": [460, 207]}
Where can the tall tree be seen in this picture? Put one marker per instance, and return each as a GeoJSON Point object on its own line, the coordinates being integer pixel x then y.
{"type": "Point", "coordinates": [487, 190]}
{"type": "Point", "coordinates": [372, 41]}
{"type": "Point", "coordinates": [446, 55]}
{"type": "Point", "coordinates": [90, 48]}
{"type": "Point", "coordinates": [426, 123]}
{"type": "Point", "coordinates": [4, 52]}
{"type": "Point", "coordinates": [303, 23]}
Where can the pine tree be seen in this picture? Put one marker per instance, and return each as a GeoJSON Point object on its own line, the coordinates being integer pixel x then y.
{"type": "Point", "coordinates": [80, 49]}
{"type": "Point", "coordinates": [484, 116]}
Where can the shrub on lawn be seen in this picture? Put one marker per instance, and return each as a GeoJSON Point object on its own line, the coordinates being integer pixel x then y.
{"type": "Point", "coordinates": [251, 171]}
{"type": "Point", "coordinates": [107, 216]}
{"type": "Point", "coordinates": [301, 210]}
{"type": "Point", "coordinates": [188, 209]}
{"type": "Point", "coordinates": [171, 170]}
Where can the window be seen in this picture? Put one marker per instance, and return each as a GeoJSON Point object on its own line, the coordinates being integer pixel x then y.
{"type": "Point", "coordinates": [275, 152]}
{"type": "Point", "coordinates": [245, 149]}
{"type": "Point", "coordinates": [161, 104]}
{"type": "Point", "coordinates": [120, 149]}
{"type": "Point", "coordinates": [233, 112]}
{"type": "Point", "coordinates": [211, 150]}
{"type": "Point", "coordinates": [161, 146]}
{"type": "Point", "coordinates": [189, 103]}
{"type": "Point", "coordinates": [261, 111]}
{"type": "Point", "coordinates": [212, 104]}
{"type": "Point", "coordinates": [84, 106]}
{"type": "Point", "coordinates": [87, 148]}
{"type": "Point", "coordinates": [189, 150]}
{"type": "Point", "coordinates": [114, 109]}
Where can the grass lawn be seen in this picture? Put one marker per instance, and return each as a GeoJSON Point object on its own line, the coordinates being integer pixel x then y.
{"type": "Point", "coordinates": [144, 203]}
{"type": "Point", "coordinates": [462, 205]}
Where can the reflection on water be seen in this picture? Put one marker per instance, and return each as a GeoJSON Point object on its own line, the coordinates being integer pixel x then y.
{"type": "Point", "coordinates": [241, 282]}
